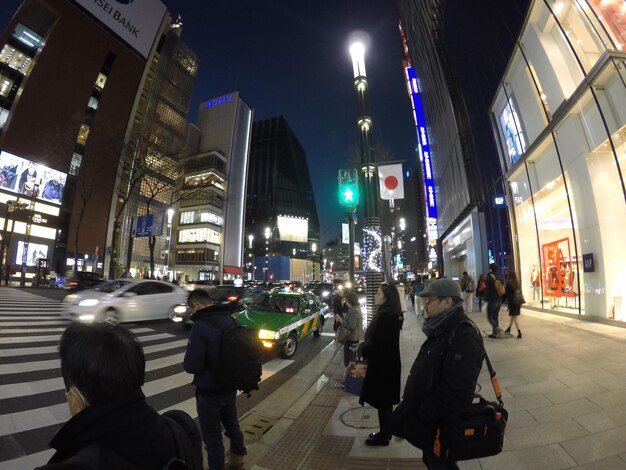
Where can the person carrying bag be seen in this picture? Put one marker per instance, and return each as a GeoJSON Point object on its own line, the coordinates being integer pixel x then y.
{"type": "Point", "coordinates": [350, 327]}
{"type": "Point", "coordinates": [443, 377]}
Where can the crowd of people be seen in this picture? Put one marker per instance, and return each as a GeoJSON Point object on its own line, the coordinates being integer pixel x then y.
{"type": "Point", "coordinates": [112, 426]}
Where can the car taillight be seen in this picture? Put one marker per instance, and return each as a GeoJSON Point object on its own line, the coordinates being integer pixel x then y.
{"type": "Point", "coordinates": [232, 298]}
{"type": "Point", "coordinates": [290, 310]}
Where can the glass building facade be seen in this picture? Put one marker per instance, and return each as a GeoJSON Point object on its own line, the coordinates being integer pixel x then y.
{"type": "Point", "coordinates": [559, 117]}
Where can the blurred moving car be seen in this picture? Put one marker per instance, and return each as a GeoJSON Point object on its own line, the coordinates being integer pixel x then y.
{"type": "Point", "coordinates": [205, 284]}
{"type": "Point", "coordinates": [125, 300]}
{"type": "Point", "coordinates": [281, 319]}
{"type": "Point", "coordinates": [78, 280]}
{"type": "Point", "coordinates": [323, 290]}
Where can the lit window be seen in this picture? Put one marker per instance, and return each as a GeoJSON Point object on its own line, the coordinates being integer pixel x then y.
{"type": "Point", "coordinates": [5, 85]}
{"type": "Point", "coordinates": [93, 103]}
{"type": "Point", "coordinates": [83, 134]}
{"type": "Point", "coordinates": [28, 36]}
{"type": "Point", "coordinates": [101, 81]}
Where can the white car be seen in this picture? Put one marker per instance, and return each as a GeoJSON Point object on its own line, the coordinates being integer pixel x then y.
{"type": "Point", "coordinates": [125, 300]}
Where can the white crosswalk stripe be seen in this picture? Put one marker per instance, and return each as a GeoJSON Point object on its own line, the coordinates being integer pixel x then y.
{"type": "Point", "coordinates": [32, 401]}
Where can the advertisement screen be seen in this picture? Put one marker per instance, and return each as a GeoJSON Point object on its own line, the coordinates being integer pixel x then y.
{"type": "Point", "coordinates": [22, 176]}
{"type": "Point", "coordinates": [35, 251]}
{"type": "Point", "coordinates": [292, 229]}
{"type": "Point", "coordinates": [513, 136]}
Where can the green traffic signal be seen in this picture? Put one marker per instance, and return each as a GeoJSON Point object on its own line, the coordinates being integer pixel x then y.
{"type": "Point", "coordinates": [349, 193]}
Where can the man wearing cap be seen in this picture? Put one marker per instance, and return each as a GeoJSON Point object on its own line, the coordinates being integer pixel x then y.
{"type": "Point", "coordinates": [444, 375]}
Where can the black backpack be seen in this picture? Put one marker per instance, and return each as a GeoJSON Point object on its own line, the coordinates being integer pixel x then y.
{"type": "Point", "coordinates": [240, 359]}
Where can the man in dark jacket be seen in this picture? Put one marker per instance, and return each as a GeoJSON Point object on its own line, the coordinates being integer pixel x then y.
{"type": "Point", "coordinates": [444, 375]}
{"type": "Point", "coordinates": [112, 426]}
{"type": "Point", "coordinates": [494, 301]}
{"type": "Point", "coordinates": [216, 405]}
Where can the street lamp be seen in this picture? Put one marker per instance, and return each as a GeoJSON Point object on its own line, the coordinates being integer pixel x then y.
{"type": "Point", "coordinates": [268, 233]}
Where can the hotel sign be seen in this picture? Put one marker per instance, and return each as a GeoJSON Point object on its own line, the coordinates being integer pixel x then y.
{"type": "Point", "coordinates": [136, 22]}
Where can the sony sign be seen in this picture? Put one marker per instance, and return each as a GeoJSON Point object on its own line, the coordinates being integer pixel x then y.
{"type": "Point", "coordinates": [136, 22]}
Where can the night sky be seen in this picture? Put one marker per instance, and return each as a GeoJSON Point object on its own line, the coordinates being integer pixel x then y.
{"type": "Point", "coordinates": [290, 58]}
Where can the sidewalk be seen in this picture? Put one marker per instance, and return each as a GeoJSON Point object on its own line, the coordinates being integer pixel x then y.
{"type": "Point", "coordinates": [564, 385]}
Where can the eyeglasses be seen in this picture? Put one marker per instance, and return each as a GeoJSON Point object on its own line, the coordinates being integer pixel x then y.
{"type": "Point", "coordinates": [428, 300]}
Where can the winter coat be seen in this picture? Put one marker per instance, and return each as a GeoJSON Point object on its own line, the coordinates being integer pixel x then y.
{"type": "Point", "coordinates": [444, 375]}
{"type": "Point", "coordinates": [353, 322]}
{"type": "Point", "coordinates": [508, 295]}
{"type": "Point", "coordinates": [381, 349]}
{"type": "Point", "coordinates": [127, 426]}
{"type": "Point", "coordinates": [202, 356]}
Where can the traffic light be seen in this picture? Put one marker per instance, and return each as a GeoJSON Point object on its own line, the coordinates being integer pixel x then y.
{"type": "Point", "coordinates": [348, 188]}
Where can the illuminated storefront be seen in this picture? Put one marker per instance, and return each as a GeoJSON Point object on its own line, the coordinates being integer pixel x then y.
{"type": "Point", "coordinates": [560, 116]}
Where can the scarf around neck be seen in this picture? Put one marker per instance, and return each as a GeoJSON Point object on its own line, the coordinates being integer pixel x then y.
{"type": "Point", "coordinates": [436, 325]}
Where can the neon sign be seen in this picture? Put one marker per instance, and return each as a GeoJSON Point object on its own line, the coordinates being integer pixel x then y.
{"type": "Point", "coordinates": [217, 101]}
{"type": "Point", "coordinates": [422, 133]}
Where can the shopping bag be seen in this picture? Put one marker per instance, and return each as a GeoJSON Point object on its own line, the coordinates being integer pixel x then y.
{"type": "Point", "coordinates": [357, 369]}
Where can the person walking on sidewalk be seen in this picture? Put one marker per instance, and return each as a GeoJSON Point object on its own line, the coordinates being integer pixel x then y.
{"type": "Point", "coordinates": [443, 377]}
{"type": "Point", "coordinates": [514, 299]}
{"type": "Point", "coordinates": [481, 291]}
{"type": "Point", "coordinates": [216, 405]}
{"type": "Point", "coordinates": [467, 290]}
{"type": "Point", "coordinates": [494, 300]}
{"type": "Point", "coordinates": [381, 349]}
{"type": "Point", "coordinates": [352, 321]}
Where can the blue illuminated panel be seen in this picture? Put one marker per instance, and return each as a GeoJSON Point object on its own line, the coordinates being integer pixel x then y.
{"type": "Point", "coordinates": [420, 122]}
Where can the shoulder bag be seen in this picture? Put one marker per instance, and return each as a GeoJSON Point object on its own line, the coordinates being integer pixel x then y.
{"type": "Point", "coordinates": [477, 430]}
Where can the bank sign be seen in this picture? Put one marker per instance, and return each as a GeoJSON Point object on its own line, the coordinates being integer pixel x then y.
{"type": "Point", "coordinates": [422, 134]}
{"type": "Point", "coordinates": [137, 22]}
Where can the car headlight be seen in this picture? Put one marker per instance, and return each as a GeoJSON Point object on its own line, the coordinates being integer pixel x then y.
{"type": "Point", "coordinates": [268, 334]}
{"type": "Point", "coordinates": [325, 293]}
{"type": "Point", "coordinates": [362, 300]}
{"type": "Point", "coordinates": [88, 302]}
{"type": "Point", "coordinates": [180, 309]}
{"type": "Point", "coordinates": [86, 318]}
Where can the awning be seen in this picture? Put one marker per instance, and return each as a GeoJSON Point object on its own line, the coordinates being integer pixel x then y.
{"type": "Point", "coordinates": [232, 270]}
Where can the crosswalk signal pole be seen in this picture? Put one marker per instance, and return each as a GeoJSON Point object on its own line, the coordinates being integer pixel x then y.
{"type": "Point", "coordinates": [348, 180]}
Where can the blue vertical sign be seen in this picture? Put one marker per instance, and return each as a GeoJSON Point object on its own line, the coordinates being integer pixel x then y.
{"type": "Point", "coordinates": [422, 134]}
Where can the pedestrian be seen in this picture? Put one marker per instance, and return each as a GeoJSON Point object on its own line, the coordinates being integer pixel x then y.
{"type": "Point", "coordinates": [381, 350]}
{"type": "Point", "coordinates": [411, 287]}
{"type": "Point", "coordinates": [494, 299]}
{"type": "Point", "coordinates": [514, 301]}
{"type": "Point", "coordinates": [430, 279]}
{"type": "Point", "coordinates": [339, 307]}
{"type": "Point", "coordinates": [467, 291]}
{"type": "Point", "coordinates": [403, 307]}
{"type": "Point", "coordinates": [7, 273]}
{"type": "Point", "coordinates": [216, 405]}
{"type": "Point", "coordinates": [112, 426]}
{"type": "Point", "coordinates": [352, 321]}
{"type": "Point", "coordinates": [418, 287]}
{"type": "Point", "coordinates": [443, 377]}
{"type": "Point", "coordinates": [481, 290]}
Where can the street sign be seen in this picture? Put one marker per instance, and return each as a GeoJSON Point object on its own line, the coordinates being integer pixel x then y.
{"type": "Point", "coordinates": [150, 225]}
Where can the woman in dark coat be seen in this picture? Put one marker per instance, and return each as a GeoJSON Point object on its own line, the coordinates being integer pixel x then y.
{"type": "Point", "coordinates": [515, 307]}
{"type": "Point", "coordinates": [381, 349]}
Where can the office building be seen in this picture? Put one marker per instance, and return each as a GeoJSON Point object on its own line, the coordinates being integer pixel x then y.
{"type": "Point", "coordinates": [69, 76]}
{"type": "Point", "coordinates": [209, 225]}
{"type": "Point", "coordinates": [281, 216]}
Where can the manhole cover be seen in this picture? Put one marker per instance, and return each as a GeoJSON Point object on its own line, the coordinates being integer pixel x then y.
{"type": "Point", "coordinates": [254, 426]}
{"type": "Point", "coordinates": [359, 418]}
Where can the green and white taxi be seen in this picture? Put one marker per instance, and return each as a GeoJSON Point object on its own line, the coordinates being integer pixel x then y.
{"type": "Point", "coordinates": [281, 319]}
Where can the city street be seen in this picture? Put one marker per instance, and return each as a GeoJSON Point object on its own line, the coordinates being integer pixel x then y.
{"type": "Point", "coordinates": [32, 398]}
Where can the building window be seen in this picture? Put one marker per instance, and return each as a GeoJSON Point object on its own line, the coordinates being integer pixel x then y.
{"type": "Point", "coordinates": [93, 103]}
{"type": "Point", "coordinates": [28, 36]}
{"type": "Point", "coordinates": [83, 134]}
{"type": "Point", "coordinates": [15, 59]}
{"type": "Point", "coordinates": [6, 84]}
{"type": "Point", "coordinates": [199, 235]}
{"type": "Point", "coordinates": [613, 15]}
{"type": "Point", "coordinates": [510, 125]}
{"type": "Point", "coordinates": [77, 160]}
{"type": "Point", "coordinates": [100, 81]}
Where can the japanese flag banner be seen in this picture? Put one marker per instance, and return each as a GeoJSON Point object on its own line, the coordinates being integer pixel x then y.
{"type": "Point", "coordinates": [391, 182]}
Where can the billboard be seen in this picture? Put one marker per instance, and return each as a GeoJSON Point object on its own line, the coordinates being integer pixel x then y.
{"type": "Point", "coordinates": [33, 253]}
{"type": "Point", "coordinates": [136, 22]}
{"type": "Point", "coordinates": [22, 176]}
{"type": "Point", "coordinates": [513, 135]}
{"type": "Point", "coordinates": [293, 229]}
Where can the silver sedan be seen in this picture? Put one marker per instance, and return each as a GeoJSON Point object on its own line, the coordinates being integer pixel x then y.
{"type": "Point", "coordinates": [125, 300]}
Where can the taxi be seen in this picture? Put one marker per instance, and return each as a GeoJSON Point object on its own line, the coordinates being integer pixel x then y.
{"type": "Point", "coordinates": [282, 319]}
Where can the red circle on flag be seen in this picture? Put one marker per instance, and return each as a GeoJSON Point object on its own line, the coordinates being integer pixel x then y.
{"type": "Point", "coordinates": [391, 182]}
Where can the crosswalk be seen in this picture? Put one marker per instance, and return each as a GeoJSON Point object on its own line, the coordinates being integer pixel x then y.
{"type": "Point", "coordinates": [32, 395]}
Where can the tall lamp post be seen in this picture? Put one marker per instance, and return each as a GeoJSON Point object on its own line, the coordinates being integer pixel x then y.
{"type": "Point", "coordinates": [168, 258]}
{"type": "Point", "coordinates": [372, 242]}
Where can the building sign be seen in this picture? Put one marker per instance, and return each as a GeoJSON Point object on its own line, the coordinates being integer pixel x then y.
{"type": "Point", "coordinates": [345, 234]}
{"type": "Point", "coordinates": [498, 200]}
{"type": "Point", "coordinates": [588, 264]}
{"type": "Point", "coordinates": [33, 252]}
{"type": "Point", "coordinates": [424, 146]}
{"type": "Point", "coordinates": [220, 100]}
{"type": "Point", "coordinates": [136, 22]}
{"type": "Point", "coordinates": [293, 229]}
{"type": "Point", "coordinates": [22, 176]}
